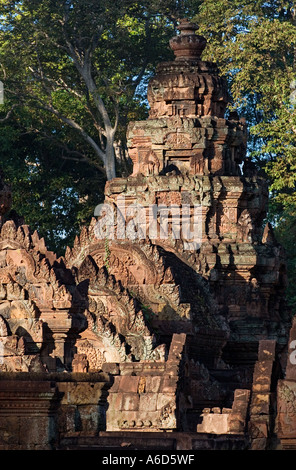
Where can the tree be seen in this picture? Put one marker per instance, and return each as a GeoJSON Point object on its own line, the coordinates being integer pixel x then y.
{"type": "Point", "coordinates": [75, 73]}
{"type": "Point", "coordinates": [53, 195]}
{"type": "Point", "coordinates": [81, 62]}
{"type": "Point", "coordinates": [254, 45]}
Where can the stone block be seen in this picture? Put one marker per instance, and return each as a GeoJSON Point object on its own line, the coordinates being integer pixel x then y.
{"type": "Point", "coordinates": [164, 399]}
{"type": "Point", "coordinates": [129, 368]}
{"type": "Point", "coordinates": [286, 405]}
{"type": "Point", "coordinates": [135, 421]}
{"type": "Point", "coordinates": [130, 401]}
{"type": "Point", "coordinates": [263, 368]}
{"type": "Point", "coordinates": [66, 418]}
{"type": "Point", "coordinates": [259, 426]}
{"type": "Point", "coordinates": [148, 402]}
{"type": "Point", "coordinates": [176, 347]}
{"type": "Point", "coordinates": [172, 369]}
{"type": "Point", "coordinates": [88, 417]}
{"type": "Point", "coordinates": [126, 416]}
{"type": "Point", "coordinates": [236, 423]}
{"type": "Point", "coordinates": [216, 410]}
{"type": "Point", "coordinates": [36, 433]}
{"type": "Point", "coordinates": [241, 400]}
{"type": "Point", "coordinates": [9, 432]}
{"type": "Point", "coordinates": [169, 385]}
{"type": "Point", "coordinates": [129, 384]}
{"type": "Point", "coordinates": [213, 423]}
{"type": "Point", "coordinates": [260, 404]}
{"type": "Point", "coordinates": [266, 350]}
{"type": "Point", "coordinates": [224, 410]}
{"type": "Point", "coordinates": [259, 444]}
{"type": "Point", "coordinates": [116, 383]}
{"type": "Point", "coordinates": [153, 384]}
{"type": "Point", "coordinates": [110, 368]}
{"type": "Point", "coordinates": [263, 371]}
{"type": "Point", "coordinates": [78, 393]}
{"type": "Point", "coordinates": [115, 401]}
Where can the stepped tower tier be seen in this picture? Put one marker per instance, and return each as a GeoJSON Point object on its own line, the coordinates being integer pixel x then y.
{"type": "Point", "coordinates": [186, 130]}
{"type": "Point", "coordinates": [188, 154]}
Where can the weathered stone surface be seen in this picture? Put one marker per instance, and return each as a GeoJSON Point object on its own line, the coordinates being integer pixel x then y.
{"type": "Point", "coordinates": [5, 196]}
{"type": "Point", "coordinates": [225, 420]}
{"type": "Point", "coordinates": [157, 333]}
{"type": "Point", "coordinates": [291, 354]}
{"type": "Point", "coordinates": [27, 415]}
{"type": "Point", "coordinates": [147, 402]}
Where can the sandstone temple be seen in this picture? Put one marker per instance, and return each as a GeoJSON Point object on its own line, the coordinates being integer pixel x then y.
{"type": "Point", "coordinates": [155, 342]}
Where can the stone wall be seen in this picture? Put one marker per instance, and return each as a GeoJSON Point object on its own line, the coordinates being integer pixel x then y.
{"type": "Point", "coordinates": [286, 397]}
{"type": "Point", "coordinates": [263, 406]}
{"type": "Point", "coordinates": [146, 396]}
{"type": "Point", "coordinates": [227, 420]}
{"type": "Point", "coordinates": [27, 415]}
{"type": "Point", "coordinates": [152, 334]}
{"type": "Point", "coordinates": [37, 410]}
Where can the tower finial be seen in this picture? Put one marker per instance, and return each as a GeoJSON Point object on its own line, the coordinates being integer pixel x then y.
{"type": "Point", "coordinates": [188, 45]}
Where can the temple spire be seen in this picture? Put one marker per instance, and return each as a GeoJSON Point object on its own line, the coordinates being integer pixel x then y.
{"type": "Point", "coordinates": [187, 44]}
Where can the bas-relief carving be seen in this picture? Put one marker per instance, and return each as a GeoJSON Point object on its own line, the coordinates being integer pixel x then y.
{"type": "Point", "coordinates": [21, 336]}
{"type": "Point", "coordinates": [85, 312]}
{"type": "Point", "coordinates": [245, 227]}
{"type": "Point", "coordinates": [178, 140]}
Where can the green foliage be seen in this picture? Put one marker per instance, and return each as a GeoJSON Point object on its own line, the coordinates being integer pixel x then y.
{"type": "Point", "coordinates": [286, 235]}
{"type": "Point", "coordinates": [52, 145]}
{"type": "Point", "coordinates": [254, 46]}
{"type": "Point", "coordinates": [57, 177]}
{"type": "Point", "coordinates": [54, 196]}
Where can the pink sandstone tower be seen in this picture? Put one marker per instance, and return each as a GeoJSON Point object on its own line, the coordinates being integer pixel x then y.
{"type": "Point", "coordinates": [126, 338]}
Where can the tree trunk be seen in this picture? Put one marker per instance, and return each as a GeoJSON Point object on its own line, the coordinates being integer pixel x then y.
{"type": "Point", "coordinates": [84, 68]}
{"type": "Point", "coordinates": [110, 159]}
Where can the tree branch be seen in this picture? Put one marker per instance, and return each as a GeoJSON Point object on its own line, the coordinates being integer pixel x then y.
{"type": "Point", "coordinates": [77, 156]}
{"type": "Point", "coordinates": [77, 127]}
{"type": "Point", "coordinates": [9, 113]}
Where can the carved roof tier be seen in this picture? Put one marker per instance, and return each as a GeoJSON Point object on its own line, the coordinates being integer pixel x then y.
{"type": "Point", "coordinates": [187, 86]}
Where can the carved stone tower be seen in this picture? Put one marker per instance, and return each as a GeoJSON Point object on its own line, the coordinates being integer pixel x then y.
{"type": "Point", "coordinates": [188, 152]}
{"type": "Point", "coordinates": [144, 326]}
